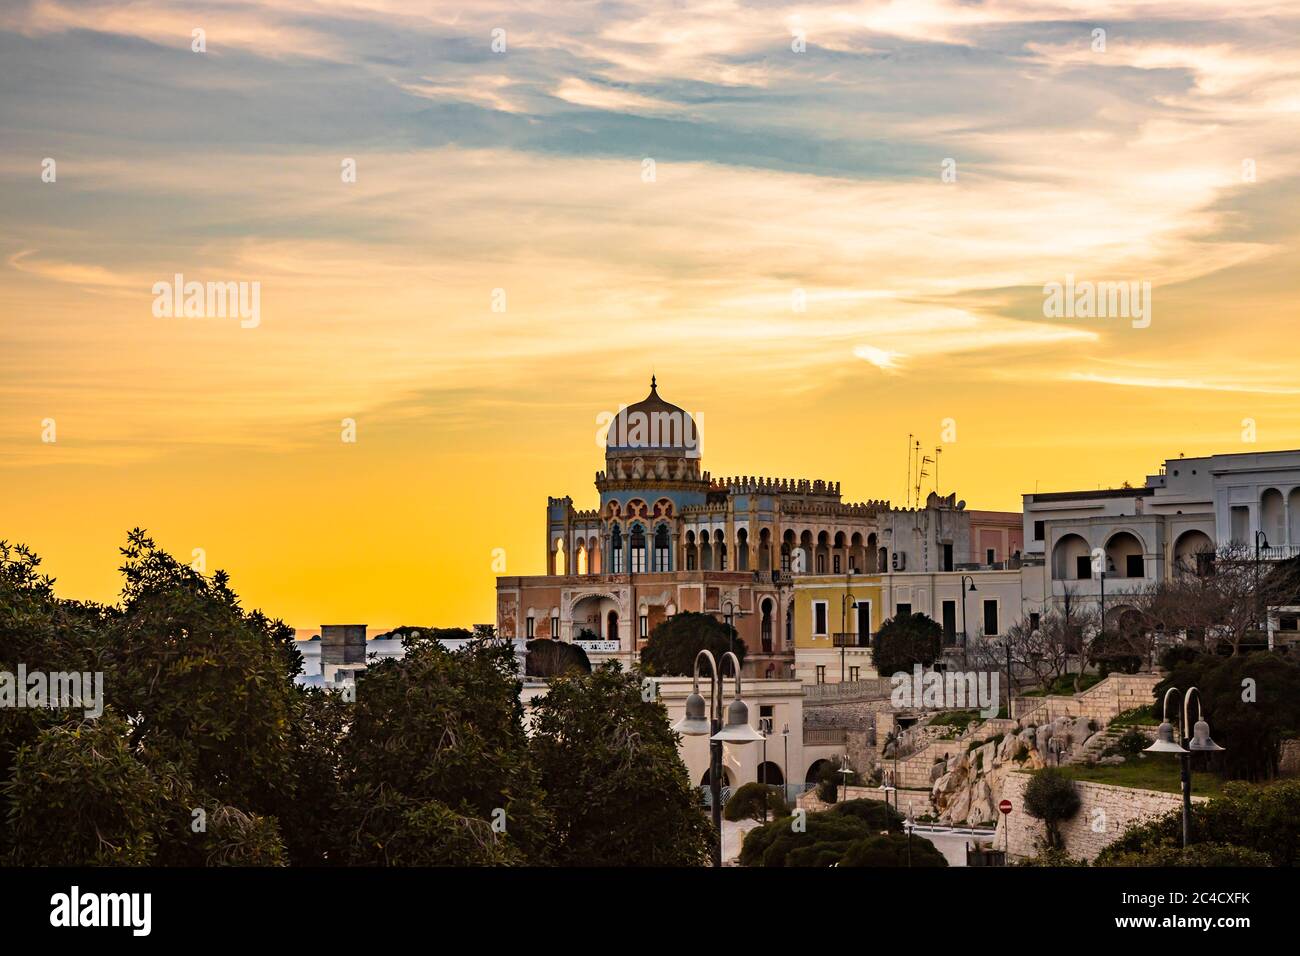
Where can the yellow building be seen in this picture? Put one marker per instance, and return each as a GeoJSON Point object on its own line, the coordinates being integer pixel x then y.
{"type": "Point", "coordinates": [835, 622]}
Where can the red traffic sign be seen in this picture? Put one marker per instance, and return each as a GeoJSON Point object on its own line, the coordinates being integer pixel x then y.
{"type": "Point", "coordinates": [1005, 806]}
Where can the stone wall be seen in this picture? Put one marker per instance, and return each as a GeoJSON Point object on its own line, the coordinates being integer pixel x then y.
{"type": "Point", "coordinates": [1101, 702]}
{"type": "Point", "coordinates": [1105, 812]}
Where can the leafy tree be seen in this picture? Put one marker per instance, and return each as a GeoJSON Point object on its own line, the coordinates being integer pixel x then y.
{"type": "Point", "coordinates": [892, 850]}
{"type": "Point", "coordinates": [616, 787]}
{"type": "Point", "coordinates": [1251, 730]}
{"type": "Point", "coordinates": [547, 658]}
{"type": "Point", "coordinates": [435, 754]}
{"type": "Point", "coordinates": [755, 801]}
{"type": "Point", "coordinates": [203, 683]}
{"type": "Point", "coordinates": [877, 814]}
{"type": "Point", "coordinates": [1051, 797]}
{"type": "Point", "coordinates": [78, 797]}
{"type": "Point", "coordinates": [309, 814]}
{"type": "Point", "coordinates": [830, 781]}
{"type": "Point", "coordinates": [828, 839]}
{"type": "Point", "coordinates": [675, 642]}
{"type": "Point", "coordinates": [906, 640]}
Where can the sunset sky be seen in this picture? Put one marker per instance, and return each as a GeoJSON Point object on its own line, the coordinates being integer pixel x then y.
{"type": "Point", "coordinates": [776, 173]}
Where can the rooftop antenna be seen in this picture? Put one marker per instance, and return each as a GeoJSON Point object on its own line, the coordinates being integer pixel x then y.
{"type": "Point", "coordinates": [937, 452]}
{"type": "Point", "coordinates": [908, 486]}
{"type": "Point", "coordinates": [921, 473]}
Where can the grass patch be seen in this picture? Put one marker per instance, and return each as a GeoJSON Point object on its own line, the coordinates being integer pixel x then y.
{"type": "Point", "coordinates": [1152, 772]}
{"type": "Point", "coordinates": [1064, 686]}
{"type": "Point", "coordinates": [1136, 717]}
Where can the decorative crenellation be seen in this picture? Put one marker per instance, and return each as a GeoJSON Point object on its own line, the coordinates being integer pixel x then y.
{"type": "Point", "coordinates": [861, 509]}
{"type": "Point", "coordinates": [751, 485]}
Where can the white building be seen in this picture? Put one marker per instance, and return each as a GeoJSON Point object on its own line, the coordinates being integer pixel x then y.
{"type": "Point", "coordinates": [1191, 508]}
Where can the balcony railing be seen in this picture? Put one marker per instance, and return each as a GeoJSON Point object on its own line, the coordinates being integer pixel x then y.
{"type": "Point", "coordinates": [824, 736]}
{"type": "Point", "coordinates": [841, 639]}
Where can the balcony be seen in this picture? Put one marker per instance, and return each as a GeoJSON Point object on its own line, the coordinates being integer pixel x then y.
{"type": "Point", "coordinates": [824, 736]}
{"type": "Point", "coordinates": [840, 639]}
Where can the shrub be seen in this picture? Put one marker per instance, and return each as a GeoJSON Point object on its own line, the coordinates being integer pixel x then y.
{"type": "Point", "coordinates": [876, 814]}
{"type": "Point", "coordinates": [1261, 818]}
{"type": "Point", "coordinates": [755, 801]}
{"type": "Point", "coordinates": [1052, 798]}
{"type": "Point", "coordinates": [1198, 854]}
{"type": "Point", "coordinates": [892, 850]}
{"type": "Point", "coordinates": [829, 781]}
{"type": "Point", "coordinates": [1052, 858]}
{"type": "Point", "coordinates": [829, 838]}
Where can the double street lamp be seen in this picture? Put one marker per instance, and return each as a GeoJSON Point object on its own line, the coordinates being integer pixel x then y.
{"type": "Point", "coordinates": [736, 730]}
{"type": "Point", "coordinates": [1199, 742]}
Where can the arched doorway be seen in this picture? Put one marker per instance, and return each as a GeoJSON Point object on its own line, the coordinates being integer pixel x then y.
{"type": "Point", "coordinates": [765, 631]}
{"type": "Point", "coordinates": [770, 774]}
{"type": "Point", "coordinates": [611, 626]}
{"type": "Point", "coordinates": [815, 771]}
{"type": "Point", "coordinates": [706, 780]}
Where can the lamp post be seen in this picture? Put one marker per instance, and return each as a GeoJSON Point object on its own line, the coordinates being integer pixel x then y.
{"type": "Point", "coordinates": [1199, 742]}
{"type": "Point", "coordinates": [1007, 646]}
{"type": "Point", "coordinates": [847, 772]}
{"type": "Point", "coordinates": [1102, 631]}
{"type": "Point", "coordinates": [785, 764]}
{"type": "Point", "coordinates": [965, 636]}
{"type": "Point", "coordinates": [736, 731]}
{"type": "Point", "coordinates": [844, 621]}
{"type": "Point", "coordinates": [909, 824]}
{"type": "Point", "coordinates": [1259, 536]}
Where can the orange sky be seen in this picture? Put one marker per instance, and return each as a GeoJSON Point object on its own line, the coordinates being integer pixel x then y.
{"type": "Point", "coordinates": [776, 175]}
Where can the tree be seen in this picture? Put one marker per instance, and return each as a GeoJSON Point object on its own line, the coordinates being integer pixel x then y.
{"type": "Point", "coordinates": [1045, 652]}
{"type": "Point", "coordinates": [828, 839]}
{"type": "Point", "coordinates": [435, 767]}
{"type": "Point", "coordinates": [616, 788]}
{"type": "Point", "coordinates": [1051, 797]}
{"type": "Point", "coordinates": [906, 640]}
{"type": "Point", "coordinates": [1221, 598]}
{"type": "Point", "coordinates": [1251, 701]}
{"type": "Point", "coordinates": [893, 849]}
{"type": "Point", "coordinates": [755, 801]}
{"type": "Point", "coordinates": [78, 797]}
{"type": "Point", "coordinates": [547, 658]}
{"type": "Point", "coordinates": [203, 683]}
{"type": "Point", "coordinates": [675, 642]}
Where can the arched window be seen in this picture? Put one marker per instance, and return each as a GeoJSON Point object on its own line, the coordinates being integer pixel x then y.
{"type": "Point", "coordinates": [720, 549]}
{"type": "Point", "coordinates": [616, 549]}
{"type": "Point", "coordinates": [661, 548]}
{"type": "Point", "coordinates": [638, 549]}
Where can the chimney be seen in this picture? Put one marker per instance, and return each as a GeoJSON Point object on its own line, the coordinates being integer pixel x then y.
{"type": "Point", "coordinates": [342, 644]}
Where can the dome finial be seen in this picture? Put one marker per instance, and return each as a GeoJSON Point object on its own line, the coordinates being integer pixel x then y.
{"type": "Point", "coordinates": [652, 381]}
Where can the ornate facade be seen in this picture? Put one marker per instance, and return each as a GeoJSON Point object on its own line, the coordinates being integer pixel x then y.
{"type": "Point", "coordinates": [669, 537]}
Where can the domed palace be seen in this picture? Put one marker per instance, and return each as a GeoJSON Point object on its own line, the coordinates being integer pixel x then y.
{"type": "Point", "coordinates": [668, 537]}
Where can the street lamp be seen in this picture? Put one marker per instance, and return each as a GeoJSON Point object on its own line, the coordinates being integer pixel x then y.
{"type": "Point", "coordinates": [909, 825]}
{"type": "Point", "coordinates": [844, 620]}
{"type": "Point", "coordinates": [964, 634]}
{"type": "Point", "coordinates": [1259, 536]}
{"type": "Point", "coordinates": [736, 730]}
{"type": "Point", "coordinates": [847, 772]}
{"type": "Point", "coordinates": [785, 764]}
{"type": "Point", "coordinates": [1200, 742]}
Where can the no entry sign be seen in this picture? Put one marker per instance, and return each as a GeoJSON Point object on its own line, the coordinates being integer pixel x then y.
{"type": "Point", "coordinates": [1005, 806]}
